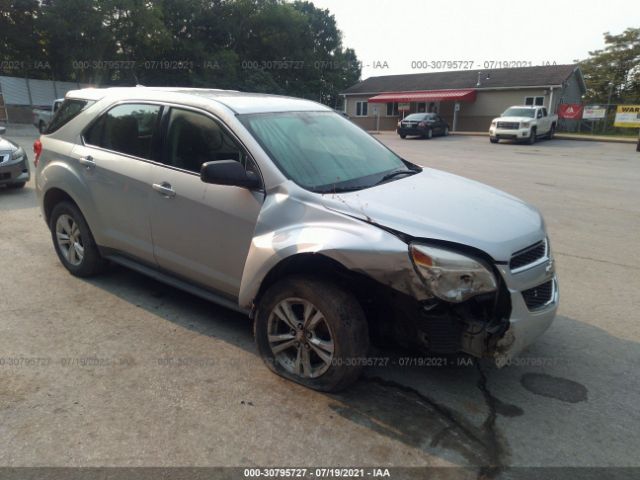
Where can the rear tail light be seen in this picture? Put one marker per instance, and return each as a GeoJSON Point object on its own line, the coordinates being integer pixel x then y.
{"type": "Point", "coordinates": [37, 150]}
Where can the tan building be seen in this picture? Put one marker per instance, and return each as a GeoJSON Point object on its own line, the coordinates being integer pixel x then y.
{"type": "Point", "coordinates": [467, 99]}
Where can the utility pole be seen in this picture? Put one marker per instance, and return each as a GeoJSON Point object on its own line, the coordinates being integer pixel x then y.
{"type": "Point", "coordinates": [604, 124]}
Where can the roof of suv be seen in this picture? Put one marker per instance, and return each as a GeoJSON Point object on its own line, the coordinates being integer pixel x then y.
{"type": "Point", "coordinates": [239, 102]}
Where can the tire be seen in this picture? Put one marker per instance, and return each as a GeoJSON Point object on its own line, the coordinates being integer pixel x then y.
{"type": "Point", "coordinates": [446, 131]}
{"type": "Point", "coordinates": [42, 126]}
{"type": "Point", "coordinates": [494, 139]}
{"type": "Point", "coordinates": [334, 344]}
{"type": "Point", "coordinates": [429, 134]}
{"type": "Point", "coordinates": [403, 136]}
{"type": "Point", "coordinates": [17, 185]}
{"type": "Point", "coordinates": [552, 132]}
{"type": "Point", "coordinates": [66, 221]}
{"type": "Point", "coordinates": [532, 137]}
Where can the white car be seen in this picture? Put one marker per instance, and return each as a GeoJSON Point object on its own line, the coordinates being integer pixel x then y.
{"type": "Point", "coordinates": [523, 124]}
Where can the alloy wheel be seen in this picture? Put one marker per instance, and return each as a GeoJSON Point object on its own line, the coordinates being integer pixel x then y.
{"type": "Point", "coordinates": [69, 239]}
{"type": "Point", "coordinates": [300, 338]}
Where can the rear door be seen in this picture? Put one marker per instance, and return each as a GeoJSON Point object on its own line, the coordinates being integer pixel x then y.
{"type": "Point", "coordinates": [201, 232]}
{"type": "Point", "coordinates": [115, 161]}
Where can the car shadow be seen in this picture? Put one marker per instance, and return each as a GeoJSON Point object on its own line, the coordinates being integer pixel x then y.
{"type": "Point", "coordinates": [453, 408]}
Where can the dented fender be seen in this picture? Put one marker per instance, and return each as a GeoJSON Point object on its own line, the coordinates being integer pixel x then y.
{"type": "Point", "coordinates": [289, 226]}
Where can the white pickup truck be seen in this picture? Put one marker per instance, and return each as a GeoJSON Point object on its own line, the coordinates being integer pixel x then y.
{"type": "Point", "coordinates": [42, 116]}
{"type": "Point", "coordinates": [523, 124]}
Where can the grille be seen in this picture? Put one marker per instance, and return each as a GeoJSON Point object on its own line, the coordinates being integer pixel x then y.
{"type": "Point", "coordinates": [5, 176]}
{"type": "Point", "coordinates": [539, 296]}
{"type": "Point", "coordinates": [529, 255]}
{"type": "Point", "coordinates": [509, 125]}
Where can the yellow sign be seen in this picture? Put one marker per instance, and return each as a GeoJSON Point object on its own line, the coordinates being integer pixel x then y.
{"type": "Point", "coordinates": [627, 116]}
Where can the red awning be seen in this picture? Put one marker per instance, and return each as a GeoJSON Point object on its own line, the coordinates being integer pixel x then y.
{"type": "Point", "coordinates": [467, 95]}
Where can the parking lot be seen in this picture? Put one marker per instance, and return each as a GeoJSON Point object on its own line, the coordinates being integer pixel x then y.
{"type": "Point", "coordinates": [123, 371]}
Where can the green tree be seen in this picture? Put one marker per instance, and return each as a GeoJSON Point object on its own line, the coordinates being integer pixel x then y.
{"type": "Point", "coordinates": [614, 69]}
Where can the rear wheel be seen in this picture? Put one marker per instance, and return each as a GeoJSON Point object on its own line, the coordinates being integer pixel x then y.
{"type": "Point", "coordinates": [42, 126]}
{"type": "Point", "coordinates": [552, 132]}
{"type": "Point", "coordinates": [312, 332]}
{"type": "Point", "coordinates": [74, 242]}
{"type": "Point", "coordinates": [446, 131]}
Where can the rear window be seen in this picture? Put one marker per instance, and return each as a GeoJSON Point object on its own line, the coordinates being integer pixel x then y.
{"type": "Point", "coordinates": [68, 110]}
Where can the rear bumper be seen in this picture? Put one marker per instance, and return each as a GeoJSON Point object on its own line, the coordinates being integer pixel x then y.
{"type": "Point", "coordinates": [17, 172]}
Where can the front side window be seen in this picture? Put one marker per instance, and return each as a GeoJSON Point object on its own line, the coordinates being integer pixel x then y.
{"type": "Point", "coordinates": [128, 129]}
{"type": "Point", "coordinates": [321, 151]}
{"type": "Point", "coordinates": [194, 139]}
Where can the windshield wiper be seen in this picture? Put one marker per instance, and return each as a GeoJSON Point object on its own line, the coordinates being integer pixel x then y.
{"type": "Point", "coordinates": [394, 174]}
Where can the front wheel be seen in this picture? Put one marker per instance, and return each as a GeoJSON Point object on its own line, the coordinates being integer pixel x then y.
{"type": "Point", "coordinates": [74, 242]}
{"type": "Point", "coordinates": [429, 134]}
{"type": "Point", "coordinates": [446, 131]}
{"type": "Point", "coordinates": [403, 136]}
{"type": "Point", "coordinates": [494, 139]}
{"type": "Point", "coordinates": [532, 137]}
{"type": "Point", "coordinates": [312, 332]}
{"type": "Point", "coordinates": [42, 126]}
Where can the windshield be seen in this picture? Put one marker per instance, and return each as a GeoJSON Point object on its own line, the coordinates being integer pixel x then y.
{"type": "Point", "coordinates": [323, 151]}
{"type": "Point", "coordinates": [416, 116]}
{"type": "Point", "coordinates": [519, 112]}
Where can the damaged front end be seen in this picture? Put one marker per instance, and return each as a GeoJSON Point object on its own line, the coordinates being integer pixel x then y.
{"type": "Point", "coordinates": [463, 306]}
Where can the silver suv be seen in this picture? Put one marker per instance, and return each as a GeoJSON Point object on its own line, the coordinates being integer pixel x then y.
{"type": "Point", "coordinates": [283, 209]}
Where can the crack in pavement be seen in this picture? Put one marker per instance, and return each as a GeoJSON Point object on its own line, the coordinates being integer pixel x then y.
{"type": "Point", "coordinates": [493, 451]}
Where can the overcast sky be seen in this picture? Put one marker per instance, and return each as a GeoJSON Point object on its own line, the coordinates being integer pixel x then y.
{"type": "Point", "coordinates": [400, 32]}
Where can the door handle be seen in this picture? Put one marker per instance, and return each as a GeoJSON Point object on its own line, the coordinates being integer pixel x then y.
{"type": "Point", "coordinates": [87, 161]}
{"type": "Point", "coordinates": [165, 189]}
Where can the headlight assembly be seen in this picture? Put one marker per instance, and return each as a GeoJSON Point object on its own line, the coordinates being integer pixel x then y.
{"type": "Point", "coordinates": [18, 154]}
{"type": "Point", "coordinates": [525, 124]}
{"type": "Point", "coordinates": [451, 276]}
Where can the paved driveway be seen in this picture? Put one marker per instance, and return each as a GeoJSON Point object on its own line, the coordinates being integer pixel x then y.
{"type": "Point", "coordinates": [123, 371]}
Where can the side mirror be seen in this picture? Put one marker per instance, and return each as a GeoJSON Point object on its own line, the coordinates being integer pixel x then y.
{"type": "Point", "coordinates": [3, 130]}
{"type": "Point", "coordinates": [228, 172]}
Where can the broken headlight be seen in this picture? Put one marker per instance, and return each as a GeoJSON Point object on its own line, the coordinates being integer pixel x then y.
{"type": "Point", "coordinates": [451, 276]}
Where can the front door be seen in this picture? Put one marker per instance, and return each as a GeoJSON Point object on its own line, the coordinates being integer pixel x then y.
{"type": "Point", "coordinates": [201, 232]}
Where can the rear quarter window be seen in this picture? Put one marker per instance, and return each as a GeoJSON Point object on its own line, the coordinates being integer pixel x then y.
{"type": "Point", "coordinates": [69, 109]}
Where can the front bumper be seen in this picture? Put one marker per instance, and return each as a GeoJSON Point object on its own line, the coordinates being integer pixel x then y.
{"type": "Point", "coordinates": [526, 324]}
{"type": "Point", "coordinates": [14, 172]}
{"type": "Point", "coordinates": [507, 134]}
{"type": "Point", "coordinates": [412, 131]}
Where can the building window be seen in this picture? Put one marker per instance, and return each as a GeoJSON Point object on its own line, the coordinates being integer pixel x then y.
{"type": "Point", "coordinates": [361, 109]}
{"type": "Point", "coordinates": [392, 109]}
{"type": "Point", "coordinates": [537, 101]}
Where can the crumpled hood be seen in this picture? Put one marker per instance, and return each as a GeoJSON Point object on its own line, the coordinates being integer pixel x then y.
{"type": "Point", "coordinates": [438, 205]}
